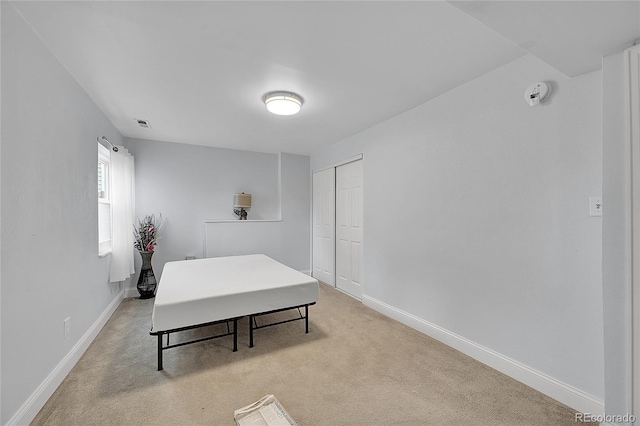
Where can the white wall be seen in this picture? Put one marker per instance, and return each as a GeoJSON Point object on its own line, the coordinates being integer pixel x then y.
{"type": "Point", "coordinates": [50, 266]}
{"type": "Point", "coordinates": [497, 247]}
{"type": "Point", "coordinates": [616, 262]}
{"type": "Point", "coordinates": [285, 240]}
{"type": "Point", "coordinates": [190, 184]}
{"type": "Point", "coordinates": [295, 175]}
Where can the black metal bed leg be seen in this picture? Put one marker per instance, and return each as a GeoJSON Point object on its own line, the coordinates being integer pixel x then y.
{"type": "Point", "coordinates": [159, 351]}
{"type": "Point", "coordinates": [235, 334]}
{"type": "Point", "coordinates": [306, 319]}
{"type": "Point", "coordinates": [250, 331]}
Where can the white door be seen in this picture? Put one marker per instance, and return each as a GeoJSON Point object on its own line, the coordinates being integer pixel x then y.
{"type": "Point", "coordinates": [324, 216]}
{"type": "Point", "coordinates": [349, 228]}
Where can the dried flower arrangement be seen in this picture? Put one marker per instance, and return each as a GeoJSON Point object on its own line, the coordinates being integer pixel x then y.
{"type": "Point", "coordinates": [146, 235]}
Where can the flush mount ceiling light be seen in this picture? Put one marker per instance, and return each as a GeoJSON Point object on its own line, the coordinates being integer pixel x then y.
{"type": "Point", "coordinates": [283, 103]}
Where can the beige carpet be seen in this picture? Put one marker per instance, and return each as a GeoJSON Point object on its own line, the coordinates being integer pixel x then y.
{"type": "Point", "coordinates": [355, 367]}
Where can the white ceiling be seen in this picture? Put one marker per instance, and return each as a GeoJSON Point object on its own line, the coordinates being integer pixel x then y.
{"type": "Point", "coordinates": [571, 36]}
{"type": "Point", "coordinates": [198, 70]}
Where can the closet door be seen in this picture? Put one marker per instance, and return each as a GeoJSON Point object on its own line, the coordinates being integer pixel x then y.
{"type": "Point", "coordinates": [324, 195]}
{"type": "Point", "coordinates": [349, 228]}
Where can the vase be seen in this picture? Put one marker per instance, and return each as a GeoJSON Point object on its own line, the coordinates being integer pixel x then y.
{"type": "Point", "coordinates": [147, 280]}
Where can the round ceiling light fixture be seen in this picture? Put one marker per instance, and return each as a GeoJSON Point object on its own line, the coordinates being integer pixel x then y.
{"type": "Point", "coordinates": [283, 103]}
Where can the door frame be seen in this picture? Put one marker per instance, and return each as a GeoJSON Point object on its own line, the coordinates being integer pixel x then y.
{"type": "Point", "coordinates": [633, 63]}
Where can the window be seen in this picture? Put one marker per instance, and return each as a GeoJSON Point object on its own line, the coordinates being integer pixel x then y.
{"type": "Point", "coordinates": [104, 201]}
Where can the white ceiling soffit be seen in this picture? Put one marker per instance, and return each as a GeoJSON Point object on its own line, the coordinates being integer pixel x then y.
{"type": "Point", "coordinates": [571, 36]}
{"type": "Point", "coordinates": [198, 70]}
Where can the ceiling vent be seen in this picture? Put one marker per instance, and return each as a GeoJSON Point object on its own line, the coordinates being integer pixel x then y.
{"type": "Point", "coordinates": [143, 123]}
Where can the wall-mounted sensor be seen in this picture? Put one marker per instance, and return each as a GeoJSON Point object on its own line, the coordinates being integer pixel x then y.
{"type": "Point", "coordinates": [536, 93]}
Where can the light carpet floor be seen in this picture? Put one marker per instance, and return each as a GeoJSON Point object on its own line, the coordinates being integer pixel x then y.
{"type": "Point", "coordinates": [355, 367]}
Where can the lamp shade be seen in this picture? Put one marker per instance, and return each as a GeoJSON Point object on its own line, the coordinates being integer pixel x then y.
{"type": "Point", "coordinates": [283, 103]}
{"type": "Point", "coordinates": [242, 200]}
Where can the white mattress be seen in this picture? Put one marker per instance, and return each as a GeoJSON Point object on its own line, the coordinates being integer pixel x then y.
{"type": "Point", "coordinates": [193, 292]}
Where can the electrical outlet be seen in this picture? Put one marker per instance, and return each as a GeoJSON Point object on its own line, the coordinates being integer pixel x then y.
{"type": "Point", "coordinates": [67, 327]}
{"type": "Point", "coordinates": [595, 206]}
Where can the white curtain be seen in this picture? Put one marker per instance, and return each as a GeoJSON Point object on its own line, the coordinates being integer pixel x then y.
{"type": "Point", "coordinates": [122, 215]}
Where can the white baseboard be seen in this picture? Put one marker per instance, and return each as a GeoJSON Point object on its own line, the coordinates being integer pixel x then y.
{"type": "Point", "coordinates": [39, 397]}
{"type": "Point", "coordinates": [566, 394]}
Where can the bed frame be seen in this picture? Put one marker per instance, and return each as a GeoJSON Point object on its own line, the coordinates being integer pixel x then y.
{"type": "Point", "coordinates": [221, 300]}
{"type": "Point", "coordinates": [162, 347]}
{"type": "Point", "coordinates": [253, 325]}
